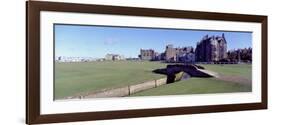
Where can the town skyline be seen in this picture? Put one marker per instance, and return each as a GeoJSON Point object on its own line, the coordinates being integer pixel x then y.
{"type": "Point", "coordinates": [97, 41]}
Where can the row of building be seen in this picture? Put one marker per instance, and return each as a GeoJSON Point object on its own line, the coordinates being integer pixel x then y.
{"type": "Point", "coordinates": [209, 49]}
{"type": "Point", "coordinates": [108, 57]}
{"type": "Point", "coordinates": [74, 59]}
{"type": "Point", "coordinates": [114, 57]}
{"type": "Point", "coordinates": [171, 54]}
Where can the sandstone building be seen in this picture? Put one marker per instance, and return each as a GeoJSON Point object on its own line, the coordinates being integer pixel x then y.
{"type": "Point", "coordinates": [171, 54]}
{"type": "Point", "coordinates": [211, 49]}
{"type": "Point", "coordinates": [148, 54]}
{"type": "Point", "coordinates": [180, 54]}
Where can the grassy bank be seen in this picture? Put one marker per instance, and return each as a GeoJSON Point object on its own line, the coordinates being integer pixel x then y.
{"type": "Point", "coordinates": [196, 86]}
{"type": "Point", "coordinates": [207, 85]}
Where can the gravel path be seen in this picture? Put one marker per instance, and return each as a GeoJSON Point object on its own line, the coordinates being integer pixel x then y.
{"type": "Point", "coordinates": [236, 79]}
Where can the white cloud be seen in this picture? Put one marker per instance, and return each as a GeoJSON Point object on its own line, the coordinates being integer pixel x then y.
{"type": "Point", "coordinates": [111, 41]}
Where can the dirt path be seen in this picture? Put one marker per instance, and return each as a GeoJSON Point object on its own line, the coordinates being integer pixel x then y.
{"type": "Point", "coordinates": [236, 79]}
{"type": "Point", "coordinates": [211, 73]}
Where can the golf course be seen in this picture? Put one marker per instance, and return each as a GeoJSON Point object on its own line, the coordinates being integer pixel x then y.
{"type": "Point", "coordinates": [81, 77]}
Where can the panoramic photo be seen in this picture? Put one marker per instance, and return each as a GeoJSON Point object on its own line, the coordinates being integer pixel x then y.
{"type": "Point", "coordinates": [108, 61]}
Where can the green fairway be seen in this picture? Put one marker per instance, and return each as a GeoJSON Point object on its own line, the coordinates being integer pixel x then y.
{"type": "Point", "coordinates": [80, 77]}
{"type": "Point", "coordinates": [206, 85]}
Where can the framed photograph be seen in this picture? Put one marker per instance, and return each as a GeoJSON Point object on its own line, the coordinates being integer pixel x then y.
{"type": "Point", "coordinates": [93, 62]}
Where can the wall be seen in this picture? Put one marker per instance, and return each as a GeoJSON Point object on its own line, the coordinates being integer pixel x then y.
{"type": "Point", "coordinates": [12, 67]}
{"type": "Point", "coordinates": [121, 91]}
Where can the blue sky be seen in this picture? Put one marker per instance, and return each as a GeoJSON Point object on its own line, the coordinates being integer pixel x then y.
{"type": "Point", "coordinates": [97, 41]}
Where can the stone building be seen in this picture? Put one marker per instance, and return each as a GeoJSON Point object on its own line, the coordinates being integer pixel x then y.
{"type": "Point", "coordinates": [184, 54]}
{"type": "Point", "coordinates": [148, 54]}
{"type": "Point", "coordinates": [114, 57]}
{"type": "Point", "coordinates": [211, 49]}
{"type": "Point", "coordinates": [170, 53]}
